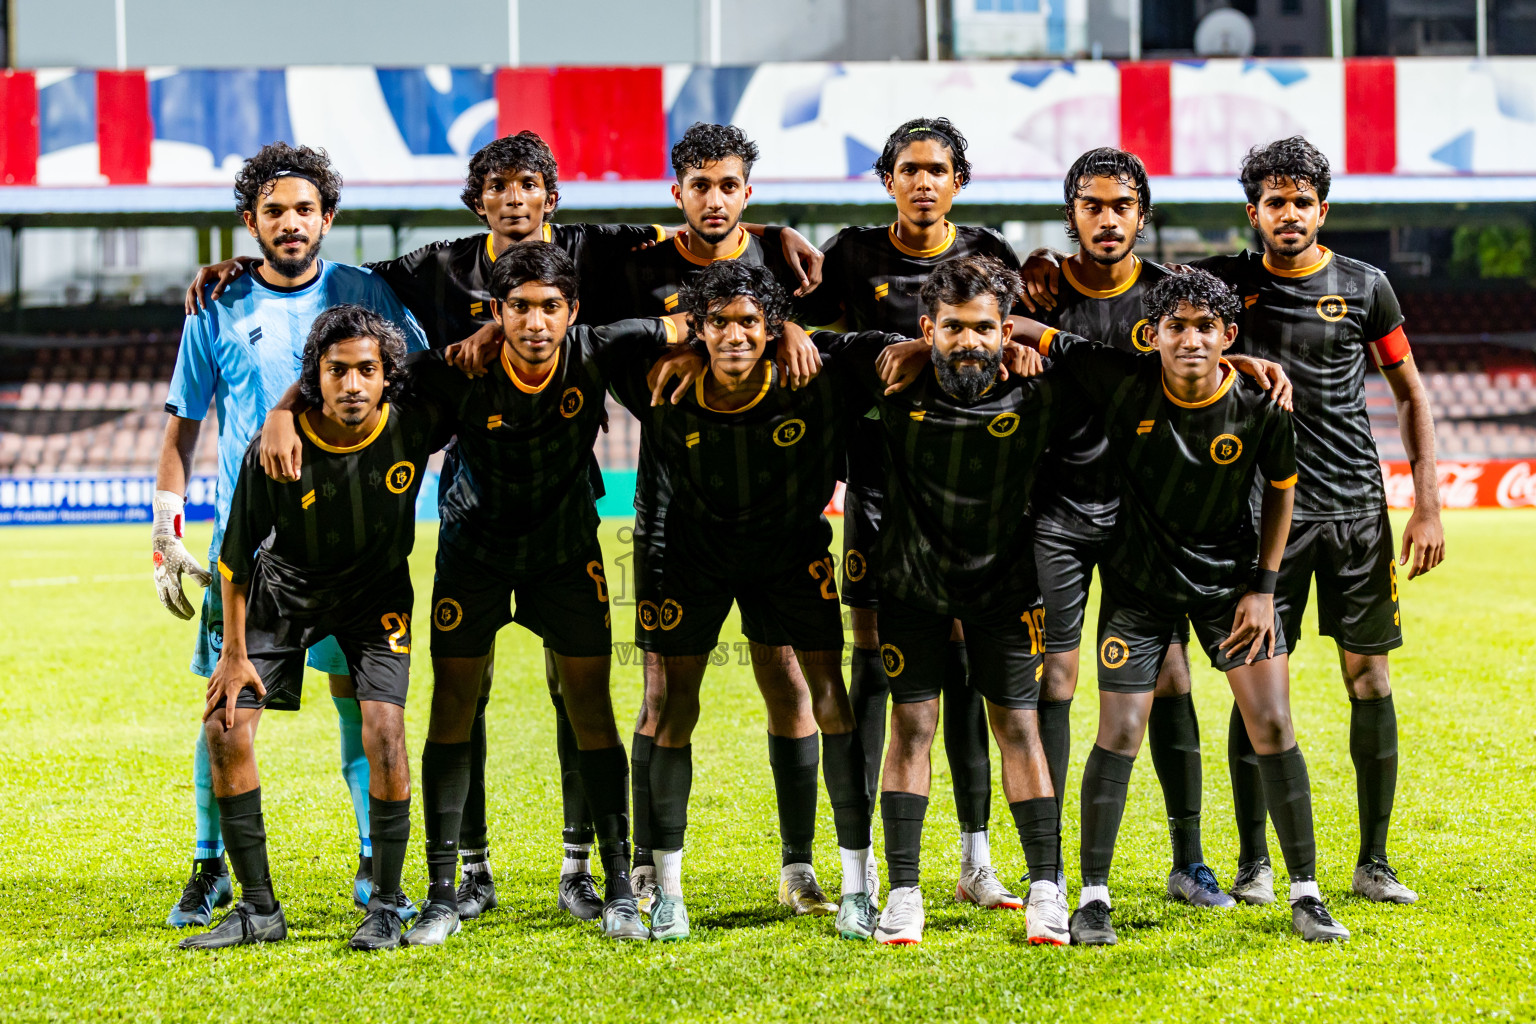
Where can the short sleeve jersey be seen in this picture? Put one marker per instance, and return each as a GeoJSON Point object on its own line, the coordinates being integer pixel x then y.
{"type": "Point", "coordinates": [447, 284]}
{"type": "Point", "coordinates": [1185, 529]}
{"type": "Point", "coordinates": [953, 535]}
{"type": "Point", "coordinates": [242, 351]}
{"type": "Point", "coordinates": [1079, 490]}
{"type": "Point", "coordinates": [346, 523]}
{"type": "Point", "coordinates": [1324, 324]}
{"type": "Point", "coordinates": [871, 281]}
{"type": "Point", "coordinates": [522, 496]}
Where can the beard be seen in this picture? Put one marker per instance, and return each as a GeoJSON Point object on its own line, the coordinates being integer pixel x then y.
{"type": "Point", "coordinates": [285, 266]}
{"type": "Point", "coordinates": [1093, 253]}
{"type": "Point", "coordinates": [714, 237]}
{"type": "Point", "coordinates": [1292, 248]}
{"type": "Point", "coordinates": [966, 382]}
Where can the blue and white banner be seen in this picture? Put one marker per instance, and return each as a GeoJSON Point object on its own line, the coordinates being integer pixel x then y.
{"type": "Point", "coordinates": [93, 498]}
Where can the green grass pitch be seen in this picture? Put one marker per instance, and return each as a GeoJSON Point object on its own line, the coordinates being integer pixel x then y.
{"type": "Point", "coordinates": [98, 712]}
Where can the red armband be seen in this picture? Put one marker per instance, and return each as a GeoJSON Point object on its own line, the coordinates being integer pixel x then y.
{"type": "Point", "coordinates": [1391, 350]}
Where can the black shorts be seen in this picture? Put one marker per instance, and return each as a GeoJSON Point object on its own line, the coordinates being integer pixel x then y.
{"type": "Point", "coordinates": [647, 548]}
{"type": "Point", "coordinates": [566, 605]}
{"type": "Point", "coordinates": [374, 634]}
{"type": "Point", "coordinates": [1005, 648]}
{"type": "Point", "coordinates": [1134, 637]}
{"type": "Point", "coordinates": [861, 535]}
{"type": "Point", "coordinates": [1064, 565]}
{"type": "Point", "coordinates": [785, 601]}
{"type": "Point", "coordinates": [1356, 583]}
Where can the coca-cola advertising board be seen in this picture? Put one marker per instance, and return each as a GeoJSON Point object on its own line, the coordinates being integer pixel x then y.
{"type": "Point", "coordinates": [1496, 483]}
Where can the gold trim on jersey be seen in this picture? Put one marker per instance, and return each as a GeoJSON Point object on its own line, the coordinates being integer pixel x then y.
{"type": "Point", "coordinates": [698, 392]}
{"type": "Point", "coordinates": [670, 326]}
{"type": "Point", "coordinates": [547, 232]}
{"type": "Point", "coordinates": [924, 254]}
{"type": "Point", "coordinates": [364, 443]}
{"type": "Point", "coordinates": [226, 571]}
{"type": "Point", "coordinates": [1044, 344]}
{"type": "Point", "coordinates": [687, 254]}
{"type": "Point", "coordinates": [1322, 262]}
{"type": "Point", "coordinates": [661, 232]}
{"type": "Point", "coordinates": [529, 389]}
{"type": "Point", "coordinates": [1092, 293]}
{"type": "Point", "coordinates": [1226, 385]}
{"type": "Point", "coordinates": [1285, 484]}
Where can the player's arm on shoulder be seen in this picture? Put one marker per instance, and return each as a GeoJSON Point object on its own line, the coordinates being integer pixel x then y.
{"type": "Point", "coordinates": [1041, 274]}
{"type": "Point", "coordinates": [1268, 375]}
{"type": "Point", "coordinates": [803, 258]}
{"type": "Point", "coordinates": [219, 275]}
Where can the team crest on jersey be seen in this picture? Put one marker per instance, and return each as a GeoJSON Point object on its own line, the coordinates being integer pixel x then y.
{"type": "Point", "coordinates": [1225, 449]}
{"type": "Point", "coordinates": [1141, 336]}
{"type": "Point", "coordinates": [1113, 652]}
{"type": "Point", "coordinates": [447, 614]}
{"type": "Point", "coordinates": [1332, 308]}
{"type": "Point", "coordinates": [650, 617]}
{"type": "Point", "coordinates": [400, 476]}
{"type": "Point", "coordinates": [571, 402]}
{"type": "Point", "coordinates": [854, 565]}
{"type": "Point", "coordinates": [891, 657]}
{"type": "Point", "coordinates": [671, 614]}
{"type": "Point", "coordinates": [788, 432]}
{"type": "Point", "coordinates": [1003, 424]}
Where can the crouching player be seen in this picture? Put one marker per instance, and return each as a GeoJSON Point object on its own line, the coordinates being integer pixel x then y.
{"type": "Point", "coordinates": [1189, 438]}
{"type": "Point", "coordinates": [331, 562]}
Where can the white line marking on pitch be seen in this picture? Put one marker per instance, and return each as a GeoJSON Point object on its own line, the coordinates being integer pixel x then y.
{"type": "Point", "coordinates": [64, 581]}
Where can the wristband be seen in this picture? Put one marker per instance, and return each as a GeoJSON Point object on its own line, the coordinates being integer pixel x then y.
{"type": "Point", "coordinates": [1264, 581]}
{"type": "Point", "coordinates": [170, 509]}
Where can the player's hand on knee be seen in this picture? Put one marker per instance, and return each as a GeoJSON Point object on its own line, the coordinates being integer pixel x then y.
{"type": "Point", "coordinates": [219, 275]}
{"type": "Point", "coordinates": [901, 364]}
{"type": "Point", "coordinates": [171, 556]}
{"type": "Point", "coordinates": [1021, 360]}
{"type": "Point", "coordinates": [233, 673]}
{"type": "Point", "coordinates": [1253, 626]}
{"type": "Point", "coordinates": [680, 361]}
{"type": "Point", "coordinates": [1270, 376]}
{"type": "Point", "coordinates": [799, 360]}
{"type": "Point", "coordinates": [475, 354]}
{"type": "Point", "coordinates": [281, 452]}
{"type": "Point", "coordinates": [1424, 538]}
{"type": "Point", "coordinates": [803, 258]}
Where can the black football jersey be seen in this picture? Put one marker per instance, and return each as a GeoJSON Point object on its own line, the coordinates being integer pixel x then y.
{"type": "Point", "coordinates": [957, 483]}
{"type": "Point", "coordinates": [871, 282]}
{"type": "Point", "coordinates": [349, 520]}
{"type": "Point", "coordinates": [522, 496]}
{"type": "Point", "coordinates": [1325, 325]}
{"type": "Point", "coordinates": [446, 284]}
{"type": "Point", "coordinates": [1078, 492]}
{"type": "Point", "coordinates": [1185, 530]}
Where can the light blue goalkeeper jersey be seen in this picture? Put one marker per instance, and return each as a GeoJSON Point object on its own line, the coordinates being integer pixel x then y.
{"type": "Point", "coordinates": [244, 350]}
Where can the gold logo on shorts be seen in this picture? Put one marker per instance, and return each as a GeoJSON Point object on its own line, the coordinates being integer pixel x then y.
{"type": "Point", "coordinates": [1039, 672]}
{"type": "Point", "coordinates": [650, 617]}
{"type": "Point", "coordinates": [400, 476]}
{"type": "Point", "coordinates": [1225, 449]}
{"type": "Point", "coordinates": [571, 402]}
{"type": "Point", "coordinates": [854, 565]}
{"type": "Point", "coordinates": [788, 432]}
{"type": "Point", "coordinates": [1139, 336]}
{"type": "Point", "coordinates": [447, 614]}
{"type": "Point", "coordinates": [1332, 308]}
{"type": "Point", "coordinates": [1113, 652]}
{"type": "Point", "coordinates": [671, 614]}
{"type": "Point", "coordinates": [891, 656]}
{"type": "Point", "coordinates": [1003, 424]}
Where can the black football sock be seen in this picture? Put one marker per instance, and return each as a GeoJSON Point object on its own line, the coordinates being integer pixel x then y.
{"type": "Point", "coordinates": [573, 798]}
{"type": "Point", "coordinates": [870, 693]}
{"type": "Point", "coordinates": [1373, 747]}
{"type": "Point", "coordinates": [603, 773]}
{"type": "Point", "coordinates": [245, 839]}
{"type": "Point", "coordinates": [445, 770]}
{"type": "Point", "coordinates": [1247, 791]}
{"type": "Point", "coordinates": [1055, 718]}
{"type": "Point", "coordinates": [1040, 835]}
{"type": "Point", "coordinates": [472, 828]}
{"type": "Point", "coordinates": [794, 763]}
{"type": "Point", "coordinates": [843, 769]}
{"type": "Point", "coordinates": [640, 796]}
{"type": "Point", "coordinates": [965, 742]}
{"type": "Point", "coordinates": [1173, 733]}
{"type": "Point", "coordinates": [1288, 791]}
{"type": "Point", "coordinates": [389, 825]}
{"type": "Point", "coordinates": [671, 783]}
{"type": "Point", "coordinates": [902, 814]}
{"type": "Point", "coordinates": [1105, 779]}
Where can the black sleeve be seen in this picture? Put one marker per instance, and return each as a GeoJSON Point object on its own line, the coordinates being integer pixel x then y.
{"type": "Point", "coordinates": [430, 381]}
{"type": "Point", "coordinates": [1004, 252]}
{"type": "Point", "coordinates": [408, 275]}
{"type": "Point", "coordinates": [250, 518]}
{"type": "Point", "coordinates": [1385, 314]}
{"type": "Point", "coordinates": [624, 342]}
{"type": "Point", "coordinates": [1277, 448]}
{"type": "Point", "coordinates": [825, 305]}
{"type": "Point", "coordinates": [854, 356]}
{"type": "Point", "coordinates": [1228, 268]}
{"type": "Point", "coordinates": [1093, 366]}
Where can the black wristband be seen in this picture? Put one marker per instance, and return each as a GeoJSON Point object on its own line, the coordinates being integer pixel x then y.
{"type": "Point", "coordinates": [1264, 581]}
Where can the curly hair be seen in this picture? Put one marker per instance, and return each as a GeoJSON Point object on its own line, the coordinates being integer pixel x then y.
{"type": "Point", "coordinates": [940, 130]}
{"type": "Point", "coordinates": [724, 280]}
{"type": "Point", "coordinates": [956, 282]}
{"type": "Point", "coordinates": [1105, 162]}
{"type": "Point", "coordinates": [1201, 289]}
{"type": "Point", "coordinates": [533, 260]}
{"type": "Point", "coordinates": [258, 175]}
{"type": "Point", "coordinates": [338, 324]}
{"type": "Point", "coordinates": [524, 151]}
{"type": "Point", "coordinates": [1294, 158]}
{"type": "Point", "coordinates": [708, 143]}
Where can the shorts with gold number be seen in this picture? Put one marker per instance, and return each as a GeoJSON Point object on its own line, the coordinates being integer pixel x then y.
{"type": "Point", "coordinates": [566, 604]}
{"type": "Point", "coordinates": [1356, 583]}
{"type": "Point", "coordinates": [1134, 632]}
{"type": "Point", "coordinates": [1005, 647]}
